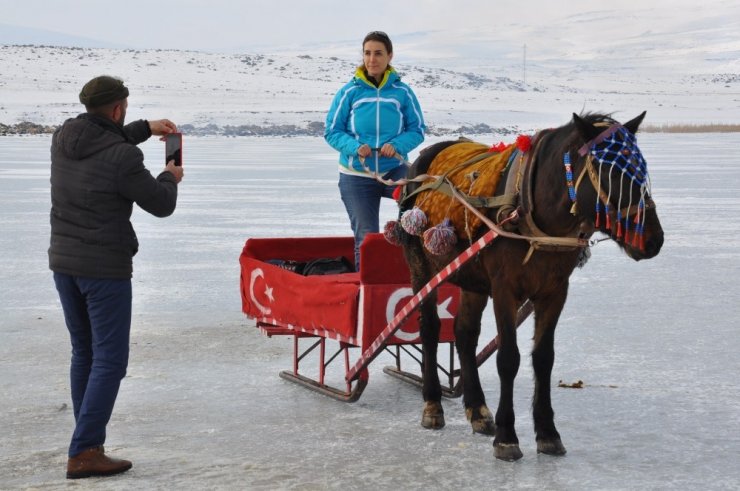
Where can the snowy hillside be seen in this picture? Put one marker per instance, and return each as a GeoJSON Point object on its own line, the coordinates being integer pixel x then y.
{"type": "Point", "coordinates": [476, 79]}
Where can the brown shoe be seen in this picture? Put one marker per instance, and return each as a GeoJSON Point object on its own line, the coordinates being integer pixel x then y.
{"type": "Point", "coordinates": [94, 462]}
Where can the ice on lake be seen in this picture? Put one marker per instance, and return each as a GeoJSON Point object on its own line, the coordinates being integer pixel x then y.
{"type": "Point", "coordinates": [202, 406]}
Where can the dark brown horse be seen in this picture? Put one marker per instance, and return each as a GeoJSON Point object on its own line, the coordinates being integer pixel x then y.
{"type": "Point", "coordinates": [613, 197]}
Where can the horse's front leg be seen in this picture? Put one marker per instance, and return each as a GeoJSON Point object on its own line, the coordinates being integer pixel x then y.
{"type": "Point", "coordinates": [429, 325]}
{"type": "Point", "coordinates": [506, 443]}
{"type": "Point", "coordinates": [467, 332]}
{"type": "Point", "coordinates": [547, 313]}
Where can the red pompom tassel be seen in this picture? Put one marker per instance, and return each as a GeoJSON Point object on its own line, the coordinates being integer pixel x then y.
{"type": "Point", "coordinates": [414, 221]}
{"type": "Point", "coordinates": [608, 221]}
{"type": "Point", "coordinates": [397, 193]}
{"type": "Point", "coordinates": [523, 142]}
{"type": "Point", "coordinates": [392, 232]}
{"type": "Point", "coordinates": [619, 229]}
{"type": "Point", "coordinates": [440, 239]}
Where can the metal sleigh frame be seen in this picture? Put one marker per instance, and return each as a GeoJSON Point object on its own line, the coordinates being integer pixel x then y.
{"type": "Point", "coordinates": [354, 387]}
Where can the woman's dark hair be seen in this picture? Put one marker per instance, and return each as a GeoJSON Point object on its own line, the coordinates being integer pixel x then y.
{"type": "Point", "coordinates": [379, 36]}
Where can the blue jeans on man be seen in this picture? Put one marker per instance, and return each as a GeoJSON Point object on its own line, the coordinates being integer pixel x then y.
{"type": "Point", "coordinates": [361, 197]}
{"type": "Point", "coordinates": [98, 316]}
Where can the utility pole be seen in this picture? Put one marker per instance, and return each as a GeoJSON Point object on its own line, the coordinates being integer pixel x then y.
{"type": "Point", "coordinates": [524, 67]}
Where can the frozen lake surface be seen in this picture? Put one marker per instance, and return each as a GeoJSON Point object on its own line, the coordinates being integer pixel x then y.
{"type": "Point", "coordinates": [202, 407]}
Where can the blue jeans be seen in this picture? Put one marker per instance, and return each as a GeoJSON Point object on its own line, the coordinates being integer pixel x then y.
{"type": "Point", "coordinates": [98, 316]}
{"type": "Point", "coordinates": [361, 197]}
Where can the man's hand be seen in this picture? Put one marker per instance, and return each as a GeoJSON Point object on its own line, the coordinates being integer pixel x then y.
{"type": "Point", "coordinates": [161, 127]}
{"type": "Point", "coordinates": [176, 170]}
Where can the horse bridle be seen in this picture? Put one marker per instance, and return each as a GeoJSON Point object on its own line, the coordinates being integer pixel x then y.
{"type": "Point", "coordinates": [593, 176]}
{"type": "Point", "coordinates": [590, 168]}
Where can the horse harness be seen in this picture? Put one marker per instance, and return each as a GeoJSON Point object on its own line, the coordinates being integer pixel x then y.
{"type": "Point", "coordinates": [516, 204]}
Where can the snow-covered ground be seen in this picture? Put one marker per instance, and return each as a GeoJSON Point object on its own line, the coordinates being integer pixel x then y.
{"type": "Point", "coordinates": [202, 407]}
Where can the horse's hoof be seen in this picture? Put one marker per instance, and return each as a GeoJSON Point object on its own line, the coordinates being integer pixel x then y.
{"type": "Point", "coordinates": [433, 416]}
{"type": "Point", "coordinates": [507, 451]}
{"type": "Point", "coordinates": [481, 420]}
{"type": "Point", "coordinates": [551, 447]}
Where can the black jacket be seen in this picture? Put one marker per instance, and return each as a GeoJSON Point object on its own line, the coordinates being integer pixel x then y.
{"type": "Point", "coordinates": [97, 173]}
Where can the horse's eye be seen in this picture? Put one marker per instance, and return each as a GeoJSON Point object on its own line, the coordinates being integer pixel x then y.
{"type": "Point", "coordinates": [626, 152]}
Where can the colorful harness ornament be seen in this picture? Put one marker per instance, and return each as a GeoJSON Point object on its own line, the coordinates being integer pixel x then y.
{"type": "Point", "coordinates": [617, 148]}
{"type": "Point", "coordinates": [474, 170]}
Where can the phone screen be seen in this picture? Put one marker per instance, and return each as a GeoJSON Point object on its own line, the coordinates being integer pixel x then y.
{"type": "Point", "coordinates": [173, 148]}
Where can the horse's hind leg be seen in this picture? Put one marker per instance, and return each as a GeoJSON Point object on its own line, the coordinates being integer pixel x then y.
{"type": "Point", "coordinates": [467, 332]}
{"type": "Point", "coordinates": [547, 313]}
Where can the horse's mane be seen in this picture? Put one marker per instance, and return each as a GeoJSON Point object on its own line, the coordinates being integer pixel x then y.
{"type": "Point", "coordinates": [595, 118]}
{"type": "Point", "coordinates": [567, 135]}
{"type": "Point", "coordinates": [590, 118]}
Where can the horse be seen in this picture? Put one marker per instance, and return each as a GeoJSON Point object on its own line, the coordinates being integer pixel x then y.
{"type": "Point", "coordinates": [523, 266]}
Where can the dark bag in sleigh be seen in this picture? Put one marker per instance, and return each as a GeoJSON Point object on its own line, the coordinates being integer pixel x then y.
{"type": "Point", "coordinates": [328, 265]}
{"type": "Point", "coordinates": [319, 266]}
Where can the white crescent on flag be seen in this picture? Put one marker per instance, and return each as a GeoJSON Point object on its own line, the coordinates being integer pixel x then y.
{"type": "Point", "coordinates": [258, 273]}
{"type": "Point", "coordinates": [400, 294]}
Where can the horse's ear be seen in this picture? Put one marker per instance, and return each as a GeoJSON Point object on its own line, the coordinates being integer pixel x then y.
{"type": "Point", "coordinates": [587, 130]}
{"type": "Point", "coordinates": [635, 123]}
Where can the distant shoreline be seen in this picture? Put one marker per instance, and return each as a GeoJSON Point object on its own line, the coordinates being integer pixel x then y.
{"type": "Point", "coordinates": [317, 129]}
{"type": "Point", "coordinates": [691, 128]}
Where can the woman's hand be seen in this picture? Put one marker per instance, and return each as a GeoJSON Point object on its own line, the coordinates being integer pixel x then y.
{"type": "Point", "coordinates": [387, 150]}
{"type": "Point", "coordinates": [364, 151]}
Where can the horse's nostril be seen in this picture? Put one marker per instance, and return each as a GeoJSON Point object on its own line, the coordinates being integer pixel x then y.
{"type": "Point", "coordinates": [653, 245]}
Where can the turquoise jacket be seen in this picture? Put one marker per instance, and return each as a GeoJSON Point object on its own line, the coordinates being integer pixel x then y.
{"type": "Point", "coordinates": [362, 113]}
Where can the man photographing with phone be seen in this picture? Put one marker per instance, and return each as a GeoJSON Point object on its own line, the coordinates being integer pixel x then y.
{"type": "Point", "coordinates": [97, 174]}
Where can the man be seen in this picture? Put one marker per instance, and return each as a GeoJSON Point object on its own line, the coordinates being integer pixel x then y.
{"type": "Point", "coordinates": [97, 174]}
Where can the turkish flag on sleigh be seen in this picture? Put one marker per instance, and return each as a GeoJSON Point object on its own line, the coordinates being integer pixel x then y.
{"type": "Point", "coordinates": [349, 307]}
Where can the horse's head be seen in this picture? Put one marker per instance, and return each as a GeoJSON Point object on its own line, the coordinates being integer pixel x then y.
{"type": "Point", "coordinates": [624, 208]}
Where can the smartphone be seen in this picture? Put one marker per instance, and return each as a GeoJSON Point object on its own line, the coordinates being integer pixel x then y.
{"type": "Point", "coordinates": [173, 148]}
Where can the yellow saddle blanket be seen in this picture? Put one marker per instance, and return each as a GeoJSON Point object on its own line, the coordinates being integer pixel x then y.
{"type": "Point", "coordinates": [477, 179]}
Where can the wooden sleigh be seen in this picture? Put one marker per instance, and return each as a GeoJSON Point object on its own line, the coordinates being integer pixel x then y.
{"type": "Point", "coordinates": [348, 313]}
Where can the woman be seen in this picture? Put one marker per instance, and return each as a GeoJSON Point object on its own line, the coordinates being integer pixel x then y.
{"type": "Point", "coordinates": [372, 118]}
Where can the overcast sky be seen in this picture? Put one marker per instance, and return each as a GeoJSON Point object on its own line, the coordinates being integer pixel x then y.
{"type": "Point", "coordinates": [231, 25]}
